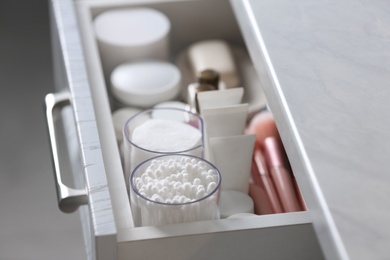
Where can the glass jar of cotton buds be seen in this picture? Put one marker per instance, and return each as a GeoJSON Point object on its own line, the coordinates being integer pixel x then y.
{"type": "Point", "coordinates": [171, 189]}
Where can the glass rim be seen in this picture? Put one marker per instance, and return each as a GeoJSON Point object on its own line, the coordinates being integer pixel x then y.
{"type": "Point", "coordinates": [132, 186]}
{"type": "Point", "coordinates": [127, 138]}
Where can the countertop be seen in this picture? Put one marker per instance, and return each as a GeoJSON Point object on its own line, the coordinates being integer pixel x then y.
{"type": "Point", "coordinates": [329, 89]}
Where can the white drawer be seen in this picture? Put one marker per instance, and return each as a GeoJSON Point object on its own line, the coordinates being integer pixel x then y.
{"type": "Point", "coordinates": [107, 221]}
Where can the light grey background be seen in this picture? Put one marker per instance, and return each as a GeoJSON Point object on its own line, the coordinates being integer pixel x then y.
{"type": "Point", "coordinates": [31, 225]}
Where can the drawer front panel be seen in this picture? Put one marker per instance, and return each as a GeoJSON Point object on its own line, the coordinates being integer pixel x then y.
{"type": "Point", "coordinates": [81, 132]}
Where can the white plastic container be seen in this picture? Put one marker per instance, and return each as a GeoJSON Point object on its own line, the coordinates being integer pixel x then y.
{"type": "Point", "coordinates": [216, 55]}
{"type": "Point", "coordinates": [130, 34]}
{"type": "Point", "coordinates": [145, 84]}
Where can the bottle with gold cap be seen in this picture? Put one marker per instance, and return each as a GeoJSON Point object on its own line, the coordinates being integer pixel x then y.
{"type": "Point", "coordinates": [207, 80]}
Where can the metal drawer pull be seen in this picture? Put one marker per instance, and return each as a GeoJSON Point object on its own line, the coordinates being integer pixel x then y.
{"type": "Point", "coordinates": [68, 199]}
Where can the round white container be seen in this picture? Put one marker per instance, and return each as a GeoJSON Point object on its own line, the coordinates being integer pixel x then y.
{"type": "Point", "coordinates": [131, 34]}
{"type": "Point", "coordinates": [145, 84]}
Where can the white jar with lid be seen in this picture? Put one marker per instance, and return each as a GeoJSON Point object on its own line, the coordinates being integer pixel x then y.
{"type": "Point", "coordinates": [146, 83]}
{"type": "Point", "coordinates": [130, 34]}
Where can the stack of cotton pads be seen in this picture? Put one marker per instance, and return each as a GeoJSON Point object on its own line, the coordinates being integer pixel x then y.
{"type": "Point", "coordinates": [175, 189]}
{"type": "Point", "coordinates": [163, 136]}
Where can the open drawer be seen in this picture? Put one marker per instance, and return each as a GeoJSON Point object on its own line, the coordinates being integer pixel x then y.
{"type": "Point", "coordinates": [107, 221]}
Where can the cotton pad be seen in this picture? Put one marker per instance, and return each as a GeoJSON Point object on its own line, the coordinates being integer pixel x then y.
{"type": "Point", "coordinates": [166, 136]}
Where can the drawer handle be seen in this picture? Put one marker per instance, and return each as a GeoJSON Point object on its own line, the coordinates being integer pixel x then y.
{"type": "Point", "coordinates": [68, 199]}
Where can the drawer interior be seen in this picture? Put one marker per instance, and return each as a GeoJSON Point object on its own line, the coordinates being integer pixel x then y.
{"type": "Point", "coordinates": [191, 20]}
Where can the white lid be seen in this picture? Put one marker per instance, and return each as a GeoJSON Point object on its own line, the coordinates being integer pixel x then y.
{"type": "Point", "coordinates": [131, 27]}
{"type": "Point", "coordinates": [145, 84]}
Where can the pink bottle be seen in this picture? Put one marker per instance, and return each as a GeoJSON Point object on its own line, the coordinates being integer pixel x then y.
{"type": "Point", "coordinates": [281, 176]}
{"type": "Point", "coordinates": [267, 196]}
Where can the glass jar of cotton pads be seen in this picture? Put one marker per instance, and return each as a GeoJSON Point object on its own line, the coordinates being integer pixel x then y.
{"type": "Point", "coordinates": [171, 189]}
{"type": "Point", "coordinates": [161, 131]}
